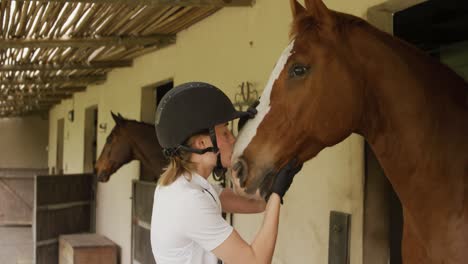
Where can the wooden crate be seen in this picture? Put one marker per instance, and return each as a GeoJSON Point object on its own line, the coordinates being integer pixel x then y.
{"type": "Point", "coordinates": [87, 249]}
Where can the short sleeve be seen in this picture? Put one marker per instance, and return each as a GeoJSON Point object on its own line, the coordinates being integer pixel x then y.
{"type": "Point", "coordinates": [204, 224]}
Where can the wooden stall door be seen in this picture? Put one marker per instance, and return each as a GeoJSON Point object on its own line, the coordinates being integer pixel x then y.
{"type": "Point", "coordinates": [142, 206]}
{"type": "Point", "coordinates": [63, 204]}
{"type": "Point", "coordinates": [16, 210]}
{"type": "Point", "coordinates": [16, 196]}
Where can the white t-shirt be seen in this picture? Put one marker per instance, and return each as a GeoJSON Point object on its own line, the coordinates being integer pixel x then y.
{"type": "Point", "coordinates": [186, 223]}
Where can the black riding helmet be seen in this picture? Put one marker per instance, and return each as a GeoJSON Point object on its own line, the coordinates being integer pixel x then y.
{"type": "Point", "coordinates": [189, 109]}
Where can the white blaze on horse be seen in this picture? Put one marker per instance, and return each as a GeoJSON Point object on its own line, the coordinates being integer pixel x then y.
{"type": "Point", "coordinates": [340, 76]}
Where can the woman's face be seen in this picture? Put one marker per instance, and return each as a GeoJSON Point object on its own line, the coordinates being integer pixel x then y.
{"type": "Point", "coordinates": [225, 143]}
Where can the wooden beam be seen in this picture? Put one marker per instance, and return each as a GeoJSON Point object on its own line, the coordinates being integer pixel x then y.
{"type": "Point", "coordinates": [69, 66]}
{"type": "Point", "coordinates": [25, 98]}
{"type": "Point", "coordinates": [36, 95]}
{"type": "Point", "coordinates": [54, 90]}
{"type": "Point", "coordinates": [96, 79]}
{"type": "Point", "coordinates": [23, 112]}
{"type": "Point", "coordinates": [34, 106]}
{"type": "Point", "coordinates": [206, 3]}
{"type": "Point", "coordinates": [37, 86]}
{"type": "Point", "coordinates": [32, 101]}
{"type": "Point", "coordinates": [158, 40]}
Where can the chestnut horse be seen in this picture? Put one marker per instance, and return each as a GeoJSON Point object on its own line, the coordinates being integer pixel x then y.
{"type": "Point", "coordinates": [130, 140]}
{"type": "Point", "coordinates": [340, 75]}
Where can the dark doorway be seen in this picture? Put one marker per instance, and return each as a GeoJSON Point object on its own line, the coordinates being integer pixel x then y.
{"type": "Point", "coordinates": [60, 138]}
{"type": "Point", "coordinates": [150, 97]}
{"type": "Point", "coordinates": [439, 28]}
{"type": "Point", "coordinates": [90, 140]}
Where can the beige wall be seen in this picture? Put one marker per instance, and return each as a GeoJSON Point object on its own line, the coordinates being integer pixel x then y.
{"type": "Point", "coordinates": [218, 50]}
{"type": "Point", "coordinates": [23, 142]}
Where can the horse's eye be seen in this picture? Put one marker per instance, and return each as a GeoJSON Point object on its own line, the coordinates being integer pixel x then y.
{"type": "Point", "coordinates": [298, 70]}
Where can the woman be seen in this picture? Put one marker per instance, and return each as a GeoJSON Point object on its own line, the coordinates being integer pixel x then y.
{"type": "Point", "coordinates": [187, 226]}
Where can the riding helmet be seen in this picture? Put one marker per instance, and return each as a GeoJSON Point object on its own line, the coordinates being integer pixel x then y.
{"type": "Point", "coordinates": [190, 108]}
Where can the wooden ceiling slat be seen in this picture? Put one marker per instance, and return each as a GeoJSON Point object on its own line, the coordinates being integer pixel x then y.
{"type": "Point", "coordinates": [44, 20]}
{"type": "Point", "coordinates": [33, 31]}
{"type": "Point", "coordinates": [102, 15]}
{"type": "Point", "coordinates": [3, 10]}
{"type": "Point", "coordinates": [52, 17]}
{"type": "Point", "coordinates": [123, 19]}
{"type": "Point", "coordinates": [31, 17]}
{"type": "Point", "coordinates": [46, 45]}
{"type": "Point", "coordinates": [113, 18]}
{"type": "Point", "coordinates": [84, 11]}
{"type": "Point", "coordinates": [125, 28]}
{"type": "Point", "coordinates": [156, 23]}
{"type": "Point", "coordinates": [7, 19]}
{"type": "Point", "coordinates": [79, 9]}
{"type": "Point", "coordinates": [86, 20]}
{"type": "Point", "coordinates": [158, 13]}
{"type": "Point", "coordinates": [61, 19]}
{"type": "Point", "coordinates": [23, 19]}
{"type": "Point", "coordinates": [174, 17]}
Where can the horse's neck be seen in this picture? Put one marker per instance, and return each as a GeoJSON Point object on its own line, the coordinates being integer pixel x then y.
{"type": "Point", "coordinates": [145, 146]}
{"type": "Point", "coordinates": [415, 116]}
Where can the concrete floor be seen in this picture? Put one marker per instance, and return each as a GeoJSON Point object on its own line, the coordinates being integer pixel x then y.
{"type": "Point", "coordinates": [16, 245]}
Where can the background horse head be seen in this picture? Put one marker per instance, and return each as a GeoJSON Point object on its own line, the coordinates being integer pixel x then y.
{"type": "Point", "coordinates": [130, 140]}
{"type": "Point", "coordinates": [339, 75]}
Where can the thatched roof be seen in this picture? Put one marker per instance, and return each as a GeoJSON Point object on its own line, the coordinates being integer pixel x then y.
{"type": "Point", "coordinates": [51, 49]}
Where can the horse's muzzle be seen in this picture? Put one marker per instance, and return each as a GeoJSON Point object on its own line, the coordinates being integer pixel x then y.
{"type": "Point", "coordinates": [240, 172]}
{"type": "Point", "coordinates": [103, 176]}
{"type": "Point", "coordinates": [248, 184]}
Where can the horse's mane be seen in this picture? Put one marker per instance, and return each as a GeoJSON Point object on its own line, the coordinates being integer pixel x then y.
{"type": "Point", "coordinates": [126, 120]}
{"type": "Point", "coordinates": [308, 23]}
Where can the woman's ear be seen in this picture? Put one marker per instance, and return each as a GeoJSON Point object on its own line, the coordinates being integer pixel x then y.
{"type": "Point", "coordinates": [202, 142]}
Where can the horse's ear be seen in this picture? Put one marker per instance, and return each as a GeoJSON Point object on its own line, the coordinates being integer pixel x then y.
{"type": "Point", "coordinates": [319, 10]}
{"type": "Point", "coordinates": [296, 8]}
{"type": "Point", "coordinates": [117, 119]}
{"type": "Point", "coordinates": [114, 116]}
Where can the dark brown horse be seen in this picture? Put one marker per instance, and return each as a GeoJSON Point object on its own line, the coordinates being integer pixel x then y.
{"type": "Point", "coordinates": [340, 76]}
{"type": "Point", "coordinates": [130, 140]}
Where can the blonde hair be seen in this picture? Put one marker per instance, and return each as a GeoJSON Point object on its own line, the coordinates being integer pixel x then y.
{"type": "Point", "coordinates": [179, 164]}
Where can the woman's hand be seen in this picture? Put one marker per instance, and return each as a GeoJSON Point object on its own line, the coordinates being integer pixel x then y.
{"type": "Point", "coordinates": [285, 177]}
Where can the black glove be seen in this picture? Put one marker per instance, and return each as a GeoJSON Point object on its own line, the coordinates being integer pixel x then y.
{"type": "Point", "coordinates": [285, 177]}
{"type": "Point", "coordinates": [251, 112]}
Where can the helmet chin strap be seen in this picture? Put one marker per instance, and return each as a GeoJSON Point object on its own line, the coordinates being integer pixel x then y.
{"type": "Point", "coordinates": [219, 170]}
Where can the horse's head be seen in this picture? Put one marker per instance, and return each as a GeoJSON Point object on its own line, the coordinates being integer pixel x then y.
{"type": "Point", "coordinates": [311, 101]}
{"type": "Point", "coordinates": [116, 152]}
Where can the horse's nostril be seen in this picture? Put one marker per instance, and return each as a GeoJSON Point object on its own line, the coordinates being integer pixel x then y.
{"type": "Point", "coordinates": [237, 166]}
{"type": "Point", "coordinates": [241, 170]}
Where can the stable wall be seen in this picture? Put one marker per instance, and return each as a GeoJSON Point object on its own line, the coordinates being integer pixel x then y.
{"type": "Point", "coordinates": [231, 46]}
{"type": "Point", "coordinates": [23, 142]}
